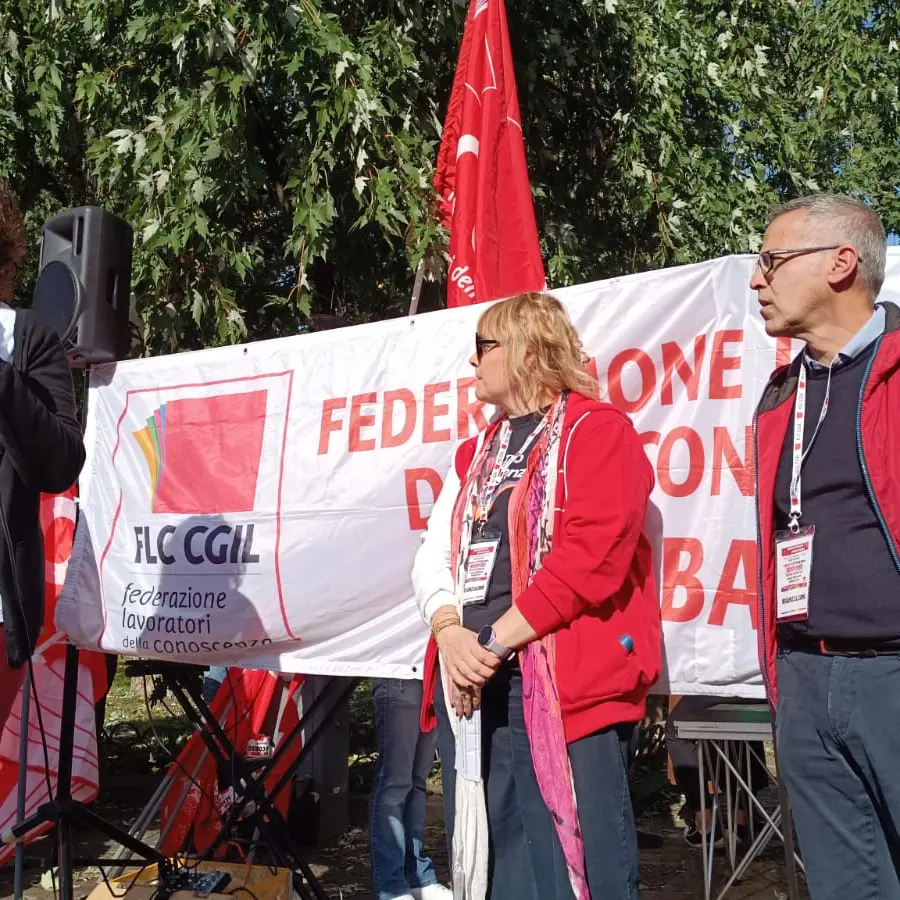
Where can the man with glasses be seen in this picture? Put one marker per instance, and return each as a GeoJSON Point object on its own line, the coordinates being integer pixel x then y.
{"type": "Point", "coordinates": [828, 500]}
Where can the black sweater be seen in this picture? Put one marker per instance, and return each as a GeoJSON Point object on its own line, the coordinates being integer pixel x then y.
{"type": "Point", "coordinates": [854, 582]}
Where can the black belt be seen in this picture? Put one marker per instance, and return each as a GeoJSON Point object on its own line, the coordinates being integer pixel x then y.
{"type": "Point", "coordinates": [843, 647]}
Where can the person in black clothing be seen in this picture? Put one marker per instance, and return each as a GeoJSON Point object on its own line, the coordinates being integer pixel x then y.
{"type": "Point", "coordinates": [41, 451]}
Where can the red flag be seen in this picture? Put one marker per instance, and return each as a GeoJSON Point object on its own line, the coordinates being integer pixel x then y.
{"type": "Point", "coordinates": [57, 517]}
{"type": "Point", "coordinates": [248, 705]}
{"type": "Point", "coordinates": [482, 177]}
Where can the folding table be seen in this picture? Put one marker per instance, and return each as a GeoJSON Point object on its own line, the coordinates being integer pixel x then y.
{"type": "Point", "coordinates": [724, 733]}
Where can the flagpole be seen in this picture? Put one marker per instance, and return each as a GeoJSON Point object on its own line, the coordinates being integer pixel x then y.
{"type": "Point", "coordinates": [417, 289]}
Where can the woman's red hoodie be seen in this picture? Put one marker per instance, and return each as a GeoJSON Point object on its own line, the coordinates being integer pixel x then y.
{"type": "Point", "coordinates": [596, 588]}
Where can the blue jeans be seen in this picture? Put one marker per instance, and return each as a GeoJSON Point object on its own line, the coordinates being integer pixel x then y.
{"type": "Point", "coordinates": [397, 811]}
{"type": "Point", "coordinates": [526, 858]}
{"type": "Point", "coordinates": [214, 677]}
{"type": "Point", "coordinates": [838, 733]}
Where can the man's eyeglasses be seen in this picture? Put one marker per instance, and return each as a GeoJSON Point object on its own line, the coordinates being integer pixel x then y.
{"type": "Point", "coordinates": [482, 345]}
{"type": "Point", "coordinates": [766, 260]}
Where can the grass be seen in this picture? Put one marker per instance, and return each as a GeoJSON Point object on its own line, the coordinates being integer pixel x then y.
{"type": "Point", "coordinates": [122, 704]}
{"type": "Point", "coordinates": [136, 743]}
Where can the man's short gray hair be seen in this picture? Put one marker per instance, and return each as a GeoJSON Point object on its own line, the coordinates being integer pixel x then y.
{"type": "Point", "coordinates": [840, 219]}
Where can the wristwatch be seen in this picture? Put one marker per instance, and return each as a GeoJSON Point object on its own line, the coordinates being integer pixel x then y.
{"type": "Point", "coordinates": [488, 639]}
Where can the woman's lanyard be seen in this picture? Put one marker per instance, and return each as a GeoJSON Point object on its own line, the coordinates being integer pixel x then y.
{"type": "Point", "coordinates": [481, 554]}
{"type": "Point", "coordinates": [504, 464]}
{"type": "Point", "coordinates": [798, 454]}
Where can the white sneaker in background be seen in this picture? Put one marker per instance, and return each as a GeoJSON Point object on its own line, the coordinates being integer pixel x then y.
{"type": "Point", "coordinates": [435, 891]}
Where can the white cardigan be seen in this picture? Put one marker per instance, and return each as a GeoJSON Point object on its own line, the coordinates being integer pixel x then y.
{"type": "Point", "coordinates": [432, 579]}
{"type": "Point", "coordinates": [432, 576]}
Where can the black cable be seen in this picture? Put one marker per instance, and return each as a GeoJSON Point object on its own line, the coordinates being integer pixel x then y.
{"type": "Point", "coordinates": [174, 757]}
{"type": "Point", "coordinates": [213, 801]}
{"type": "Point", "coordinates": [245, 714]}
{"type": "Point", "coordinates": [244, 890]}
{"type": "Point", "coordinates": [112, 892]}
{"type": "Point", "coordinates": [237, 842]}
{"type": "Point", "coordinates": [233, 738]}
{"type": "Point", "coordinates": [165, 706]}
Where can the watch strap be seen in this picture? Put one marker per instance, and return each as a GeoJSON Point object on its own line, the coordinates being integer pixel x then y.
{"type": "Point", "coordinates": [497, 648]}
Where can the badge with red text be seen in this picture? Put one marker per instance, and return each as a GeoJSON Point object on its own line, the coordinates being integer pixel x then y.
{"type": "Point", "coordinates": [793, 567]}
{"type": "Point", "coordinates": [479, 567]}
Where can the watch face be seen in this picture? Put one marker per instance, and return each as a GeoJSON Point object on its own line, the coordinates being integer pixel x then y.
{"type": "Point", "coordinates": [484, 636]}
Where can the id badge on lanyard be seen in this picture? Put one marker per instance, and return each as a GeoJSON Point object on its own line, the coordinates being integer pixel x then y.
{"type": "Point", "coordinates": [480, 565]}
{"type": "Point", "coordinates": [482, 554]}
{"type": "Point", "coordinates": [793, 567]}
{"type": "Point", "coordinates": [794, 547]}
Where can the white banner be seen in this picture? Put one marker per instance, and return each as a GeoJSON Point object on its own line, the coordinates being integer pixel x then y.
{"type": "Point", "coordinates": [261, 505]}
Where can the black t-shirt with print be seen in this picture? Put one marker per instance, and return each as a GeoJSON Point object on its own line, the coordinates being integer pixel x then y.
{"type": "Point", "coordinates": [499, 593]}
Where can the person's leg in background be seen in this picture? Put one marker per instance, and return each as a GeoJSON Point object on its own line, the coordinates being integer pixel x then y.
{"type": "Point", "coordinates": [214, 677]}
{"type": "Point", "coordinates": [397, 811]}
{"type": "Point", "coordinates": [420, 873]}
{"type": "Point", "coordinates": [683, 754]}
{"type": "Point", "coordinates": [112, 663]}
{"type": "Point", "coordinates": [749, 760]}
{"type": "Point", "coordinates": [600, 765]}
{"type": "Point", "coordinates": [447, 751]}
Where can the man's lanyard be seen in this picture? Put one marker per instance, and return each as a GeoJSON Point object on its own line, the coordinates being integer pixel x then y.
{"type": "Point", "coordinates": [798, 454]}
{"type": "Point", "coordinates": [504, 464]}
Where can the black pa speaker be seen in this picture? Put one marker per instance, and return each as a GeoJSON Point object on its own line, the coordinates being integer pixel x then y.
{"type": "Point", "coordinates": [83, 289]}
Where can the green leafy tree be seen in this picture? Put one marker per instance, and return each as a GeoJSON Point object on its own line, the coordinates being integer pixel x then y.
{"type": "Point", "coordinates": [258, 148]}
{"type": "Point", "coordinates": [662, 131]}
{"type": "Point", "coordinates": [276, 158]}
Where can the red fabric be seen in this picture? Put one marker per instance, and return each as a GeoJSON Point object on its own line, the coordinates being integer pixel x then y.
{"type": "Point", "coordinates": [880, 426]}
{"type": "Point", "coordinates": [596, 584]}
{"type": "Point", "coordinates": [768, 427]}
{"type": "Point", "coordinates": [427, 717]}
{"type": "Point", "coordinates": [246, 702]}
{"type": "Point", "coordinates": [482, 176]}
{"type": "Point", "coordinates": [57, 520]}
{"type": "Point", "coordinates": [58, 528]}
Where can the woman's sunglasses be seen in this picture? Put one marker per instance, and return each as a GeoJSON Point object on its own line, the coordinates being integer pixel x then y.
{"type": "Point", "coordinates": [482, 345]}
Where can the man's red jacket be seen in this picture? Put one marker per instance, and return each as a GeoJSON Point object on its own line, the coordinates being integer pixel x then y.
{"type": "Point", "coordinates": [596, 587]}
{"type": "Point", "coordinates": [878, 443]}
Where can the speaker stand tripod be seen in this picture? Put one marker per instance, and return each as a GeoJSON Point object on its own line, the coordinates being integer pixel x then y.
{"type": "Point", "coordinates": [66, 813]}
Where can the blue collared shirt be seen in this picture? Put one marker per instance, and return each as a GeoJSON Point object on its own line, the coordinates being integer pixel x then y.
{"type": "Point", "coordinates": [7, 332]}
{"type": "Point", "coordinates": [871, 331]}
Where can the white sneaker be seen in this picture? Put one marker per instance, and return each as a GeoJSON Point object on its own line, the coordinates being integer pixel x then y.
{"type": "Point", "coordinates": [435, 891]}
{"type": "Point", "coordinates": [403, 897]}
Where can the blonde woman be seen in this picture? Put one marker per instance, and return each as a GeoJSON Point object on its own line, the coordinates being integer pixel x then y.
{"type": "Point", "coordinates": [535, 577]}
